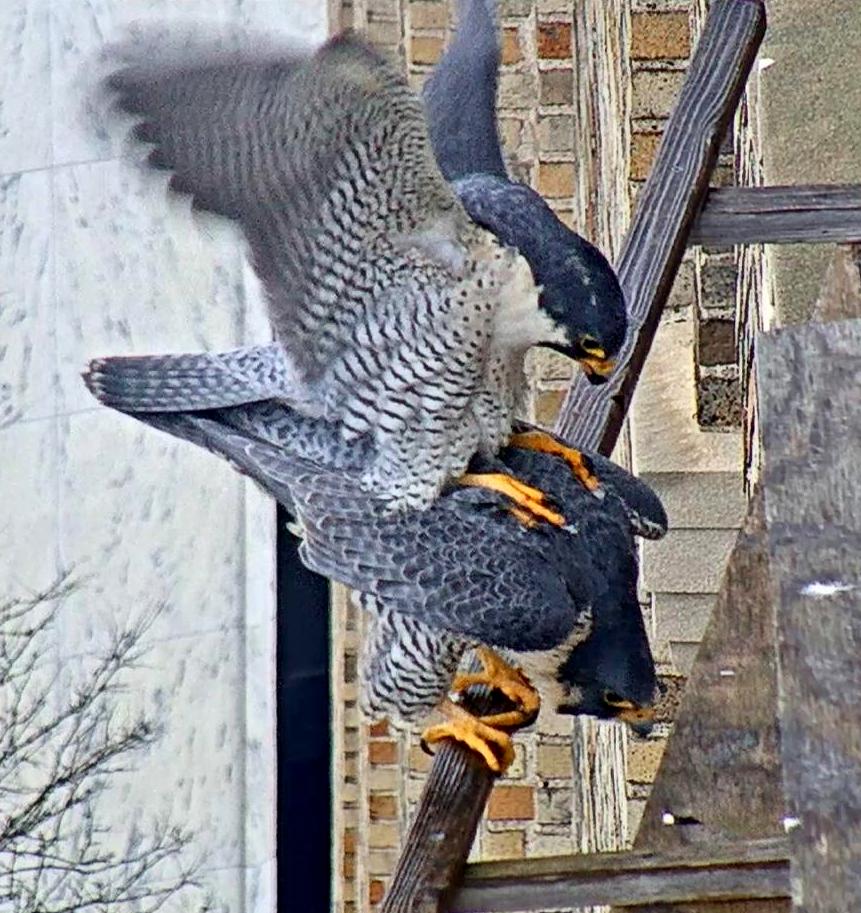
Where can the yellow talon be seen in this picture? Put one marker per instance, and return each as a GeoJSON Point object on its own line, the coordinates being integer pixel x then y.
{"type": "Point", "coordinates": [530, 521]}
{"type": "Point", "coordinates": [538, 440]}
{"type": "Point", "coordinates": [530, 501]}
{"type": "Point", "coordinates": [498, 674]}
{"type": "Point", "coordinates": [485, 735]}
{"type": "Point", "coordinates": [493, 745]}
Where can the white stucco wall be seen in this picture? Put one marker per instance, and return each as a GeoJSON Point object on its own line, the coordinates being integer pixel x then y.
{"type": "Point", "coordinates": [95, 259]}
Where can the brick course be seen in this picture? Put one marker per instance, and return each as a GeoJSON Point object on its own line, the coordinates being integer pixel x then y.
{"type": "Point", "coordinates": [511, 802]}
{"type": "Point", "coordinates": [556, 86]}
{"type": "Point", "coordinates": [556, 179]}
{"type": "Point", "coordinates": [426, 49]}
{"type": "Point", "coordinates": [555, 762]}
{"type": "Point", "coordinates": [382, 806]}
{"type": "Point", "coordinates": [383, 752]}
{"type": "Point", "coordinates": [505, 845]}
{"type": "Point", "coordinates": [656, 36]}
{"type": "Point", "coordinates": [428, 15]}
{"type": "Point", "coordinates": [654, 92]}
{"type": "Point", "coordinates": [511, 50]}
{"type": "Point", "coordinates": [554, 40]}
{"type": "Point", "coordinates": [644, 756]}
{"type": "Point", "coordinates": [643, 149]}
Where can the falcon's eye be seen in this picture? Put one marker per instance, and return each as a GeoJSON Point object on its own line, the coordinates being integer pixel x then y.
{"type": "Point", "coordinates": [591, 346]}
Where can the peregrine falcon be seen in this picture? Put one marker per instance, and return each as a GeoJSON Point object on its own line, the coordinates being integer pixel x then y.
{"type": "Point", "coordinates": [395, 314]}
{"type": "Point", "coordinates": [467, 572]}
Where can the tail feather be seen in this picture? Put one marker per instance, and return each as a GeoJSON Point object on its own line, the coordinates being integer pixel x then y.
{"type": "Point", "coordinates": [173, 383]}
{"type": "Point", "coordinates": [259, 461]}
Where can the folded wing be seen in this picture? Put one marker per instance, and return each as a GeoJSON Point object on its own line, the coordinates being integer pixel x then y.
{"type": "Point", "coordinates": [463, 564]}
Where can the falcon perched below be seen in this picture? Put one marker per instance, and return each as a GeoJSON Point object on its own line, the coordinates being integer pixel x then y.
{"type": "Point", "coordinates": [395, 313]}
{"type": "Point", "coordinates": [467, 572]}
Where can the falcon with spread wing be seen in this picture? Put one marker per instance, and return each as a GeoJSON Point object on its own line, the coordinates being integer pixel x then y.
{"type": "Point", "coordinates": [395, 313]}
{"type": "Point", "coordinates": [467, 572]}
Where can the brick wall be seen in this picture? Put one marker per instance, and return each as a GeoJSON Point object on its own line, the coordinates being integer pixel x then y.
{"type": "Point", "coordinates": [585, 89]}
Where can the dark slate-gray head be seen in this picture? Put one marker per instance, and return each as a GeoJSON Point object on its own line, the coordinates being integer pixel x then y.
{"type": "Point", "coordinates": [581, 293]}
{"type": "Point", "coordinates": [611, 674]}
{"type": "Point", "coordinates": [580, 290]}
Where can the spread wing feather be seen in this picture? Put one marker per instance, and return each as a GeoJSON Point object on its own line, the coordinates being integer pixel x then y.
{"type": "Point", "coordinates": [322, 159]}
{"type": "Point", "coordinates": [460, 96]}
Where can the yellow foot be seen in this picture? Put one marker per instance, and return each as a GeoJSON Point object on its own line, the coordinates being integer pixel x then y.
{"type": "Point", "coordinates": [493, 745]}
{"type": "Point", "coordinates": [531, 503]}
{"type": "Point", "coordinates": [538, 440]}
{"type": "Point", "coordinates": [511, 682]}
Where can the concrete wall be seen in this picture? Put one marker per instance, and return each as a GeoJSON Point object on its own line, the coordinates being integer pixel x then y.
{"type": "Point", "coordinates": [811, 122]}
{"type": "Point", "coordinates": [94, 260]}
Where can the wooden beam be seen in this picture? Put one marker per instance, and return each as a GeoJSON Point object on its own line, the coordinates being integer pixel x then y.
{"type": "Point", "coordinates": [809, 383]}
{"type": "Point", "coordinates": [666, 209]}
{"type": "Point", "coordinates": [754, 869]}
{"type": "Point", "coordinates": [438, 841]}
{"type": "Point", "coordinates": [779, 215]}
{"type": "Point", "coordinates": [721, 771]}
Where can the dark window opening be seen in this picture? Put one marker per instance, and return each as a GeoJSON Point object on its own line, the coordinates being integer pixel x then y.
{"type": "Point", "coordinates": [303, 830]}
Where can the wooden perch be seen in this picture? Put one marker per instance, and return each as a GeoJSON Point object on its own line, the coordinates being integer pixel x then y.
{"type": "Point", "coordinates": [440, 837]}
{"type": "Point", "coordinates": [666, 209]}
{"type": "Point", "coordinates": [779, 215]}
{"type": "Point", "coordinates": [809, 384]}
{"type": "Point", "coordinates": [720, 872]}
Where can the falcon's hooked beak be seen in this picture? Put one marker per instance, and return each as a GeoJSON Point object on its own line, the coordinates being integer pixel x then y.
{"type": "Point", "coordinates": [609, 706]}
{"type": "Point", "coordinates": [639, 718]}
{"type": "Point", "coordinates": [593, 359]}
{"type": "Point", "coordinates": [597, 368]}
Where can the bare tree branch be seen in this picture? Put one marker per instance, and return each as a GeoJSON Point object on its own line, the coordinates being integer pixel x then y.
{"type": "Point", "coordinates": [58, 753]}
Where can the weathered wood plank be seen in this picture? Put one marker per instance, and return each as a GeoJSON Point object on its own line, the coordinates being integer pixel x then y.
{"type": "Point", "coordinates": [781, 198]}
{"type": "Point", "coordinates": [809, 384]}
{"type": "Point", "coordinates": [840, 297]}
{"type": "Point", "coordinates": [754, 869]}
{"type": "Point", "coordinates": [666, 209]}
{"type": "Point", "coordinates": [721, 767]}
{"type": "Point", "coordinates": [438, 841]}
{"type": "Point", "coordinates": [779, 215]}
{"type": "Point", "coordinates": [440, 835]}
